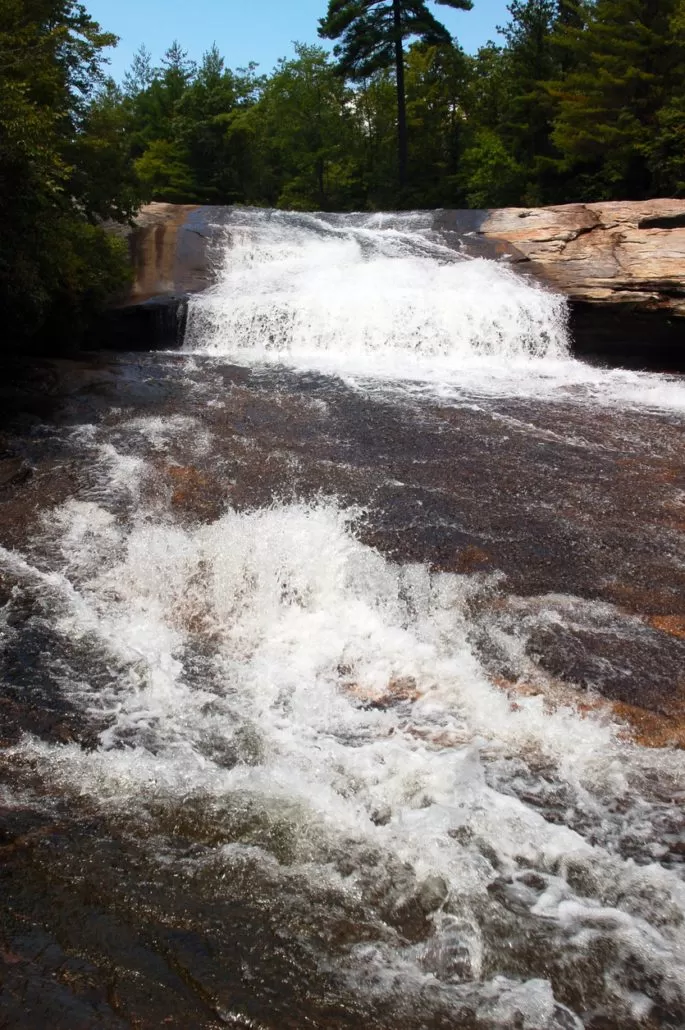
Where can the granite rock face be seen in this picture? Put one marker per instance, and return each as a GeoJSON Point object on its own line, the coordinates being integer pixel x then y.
{"type": "Point", "coordinates": [170, 247]}
{"type": "Point", "coordinates": [609, 253]}
{"type": "Point", "coordinates": [169, 251]}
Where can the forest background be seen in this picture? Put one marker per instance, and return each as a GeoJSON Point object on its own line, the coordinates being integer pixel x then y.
{"type": "Point", "coordinates": [581, 100]}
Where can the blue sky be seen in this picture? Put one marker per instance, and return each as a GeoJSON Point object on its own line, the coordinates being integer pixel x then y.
{"type": "Point", "coordinates": [250, 30]}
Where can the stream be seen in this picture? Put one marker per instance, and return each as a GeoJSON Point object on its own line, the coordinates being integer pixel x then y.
{"type": "Point", "coordinates": [342, 658]}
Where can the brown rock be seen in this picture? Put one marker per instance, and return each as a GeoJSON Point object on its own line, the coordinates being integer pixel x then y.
{"type": "Point", "coordinates": [167, 252]}
{"type": "Point", "coordinates": [671, 624]}
{"type": "Point", "coordinates": [607, 253]}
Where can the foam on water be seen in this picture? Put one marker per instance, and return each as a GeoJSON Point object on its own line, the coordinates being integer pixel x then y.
{"type": "Point", "coordinates": [327, 712]}
{"type": "Point", "coordinates": [384, 298]}
{"type": "Point", "coordinates": [269, 662]}
{"type": "Point", "coordinates": [308, 287]}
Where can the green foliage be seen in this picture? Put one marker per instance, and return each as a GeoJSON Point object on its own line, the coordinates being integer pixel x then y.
{"type": "Point", "coordinates": [373, 34]}
{"type": "Point", "coordinates": [665, 151]}
{"type": "Point", "coordinates": [64, 164]}
{"type": "Point", "coordinates": [189, 135]}
{"type": "Point", "coordinates": [529, 62]}
{"type": "Point", "coordinates": [580, 100]}
{"type": "Point", "coordinates": [615, 106]}
{"type": "Point", "coordinates": [94, 267]}
{"type": "Point", "coordinates": [585, 102]}
{"type": "Point", "coordinates": [436, 82]}
{"type": "Point", "coordinates": [490, 175]}
{"type": "Point", "coordinates": [304, 128]}
{"type": "Point", "coordinates": [164, 173]}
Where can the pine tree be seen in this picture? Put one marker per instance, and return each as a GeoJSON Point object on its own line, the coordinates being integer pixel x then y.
{"type": "Point", "coordinates": [621, 67]}
{"type": "Point", "coordinates": [665, 151]}
{"type": "Point", "coordinates": [528, 107]}
{"type": "Point", "coordinates": [373, 34]}
{"type": "Point", "coordinates": [140, 74]}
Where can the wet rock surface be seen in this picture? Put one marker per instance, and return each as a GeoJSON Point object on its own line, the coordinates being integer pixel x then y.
{"type": "Point", "coordinates": [558, 499]}
{"type": "Point", "coordinates": [543, 503]}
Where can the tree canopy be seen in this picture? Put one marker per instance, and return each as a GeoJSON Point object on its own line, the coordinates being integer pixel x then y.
{"type": "Point", "coordinates": [64, 165]}
{"type": "Point", "coordinates": [373, 34]}
{"type": "Point", "coordinates": [579, 100]}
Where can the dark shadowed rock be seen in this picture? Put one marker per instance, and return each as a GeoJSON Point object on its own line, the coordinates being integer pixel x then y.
{"type": "Point", "coordinates": [13, 471]}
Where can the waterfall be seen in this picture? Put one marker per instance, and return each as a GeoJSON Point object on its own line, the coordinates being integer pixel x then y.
{"type": "Point", "coordinates": [366, 288]}
{"type": "Point", "coordinates": [348, 613]}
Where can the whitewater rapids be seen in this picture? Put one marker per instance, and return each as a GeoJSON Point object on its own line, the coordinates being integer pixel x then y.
{"type": "Point", "coordinates": [387, 296]}
{"type": "Point", "coordinates": [289, 713]}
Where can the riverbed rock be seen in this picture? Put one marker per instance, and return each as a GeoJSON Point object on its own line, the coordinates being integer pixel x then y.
{"type": "Point", "coordinates": [13, 471]}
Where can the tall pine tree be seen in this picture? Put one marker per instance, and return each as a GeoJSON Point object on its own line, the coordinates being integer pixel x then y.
{"type": "Point", "coordinates": [622, 64]}
{"type": "Point", "coordinates": [373, 34]}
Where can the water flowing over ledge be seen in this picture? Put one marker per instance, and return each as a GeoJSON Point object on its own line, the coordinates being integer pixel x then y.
{"type": "Point", "coordinates": [620, 265]}
{"type": "Point", "coordinates": [377, 290]}
{"type": "Point", "coordinates": [341, 657]}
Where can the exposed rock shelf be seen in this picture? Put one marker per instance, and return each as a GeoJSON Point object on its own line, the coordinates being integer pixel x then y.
{"type": "Point", "coordinates": [621, 264]}
{"type": "Point", "coordinates": [614, 253]}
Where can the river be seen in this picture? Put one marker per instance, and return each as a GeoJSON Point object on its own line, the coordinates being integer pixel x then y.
{"type": "Point", "coordinates": [343, 658]}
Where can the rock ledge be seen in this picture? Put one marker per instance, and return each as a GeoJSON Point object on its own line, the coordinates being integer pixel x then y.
{"type": "Point", "coordinates": [609, 253]}
{"type": "Point", "coordinates": [621, 264]}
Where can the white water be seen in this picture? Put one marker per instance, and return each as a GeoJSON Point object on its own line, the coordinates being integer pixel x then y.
{"type": "Point", "coordinates": [269, 663]}
{"type": "Point", "coordinates": [356, 290]}
{"type": "Point", "coordinates": [322, 707]}
{"type": "Point", "coordinates": [302, 288]}
{"type": "Point", "coordinates": [385, 296]}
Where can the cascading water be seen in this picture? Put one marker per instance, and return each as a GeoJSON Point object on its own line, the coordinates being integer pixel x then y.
{"type": "Point", "coordinates": [367, 290]}
{"type": "Point", "coordinates": [353, 753]}
{"type": "Point", "coordinates": [389, 296]}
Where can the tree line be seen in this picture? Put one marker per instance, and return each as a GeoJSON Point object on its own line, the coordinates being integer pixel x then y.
{"type": "Point", "coordinates": [65, 166]}
{"type": "Point", "coordinates": [578, 100]}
